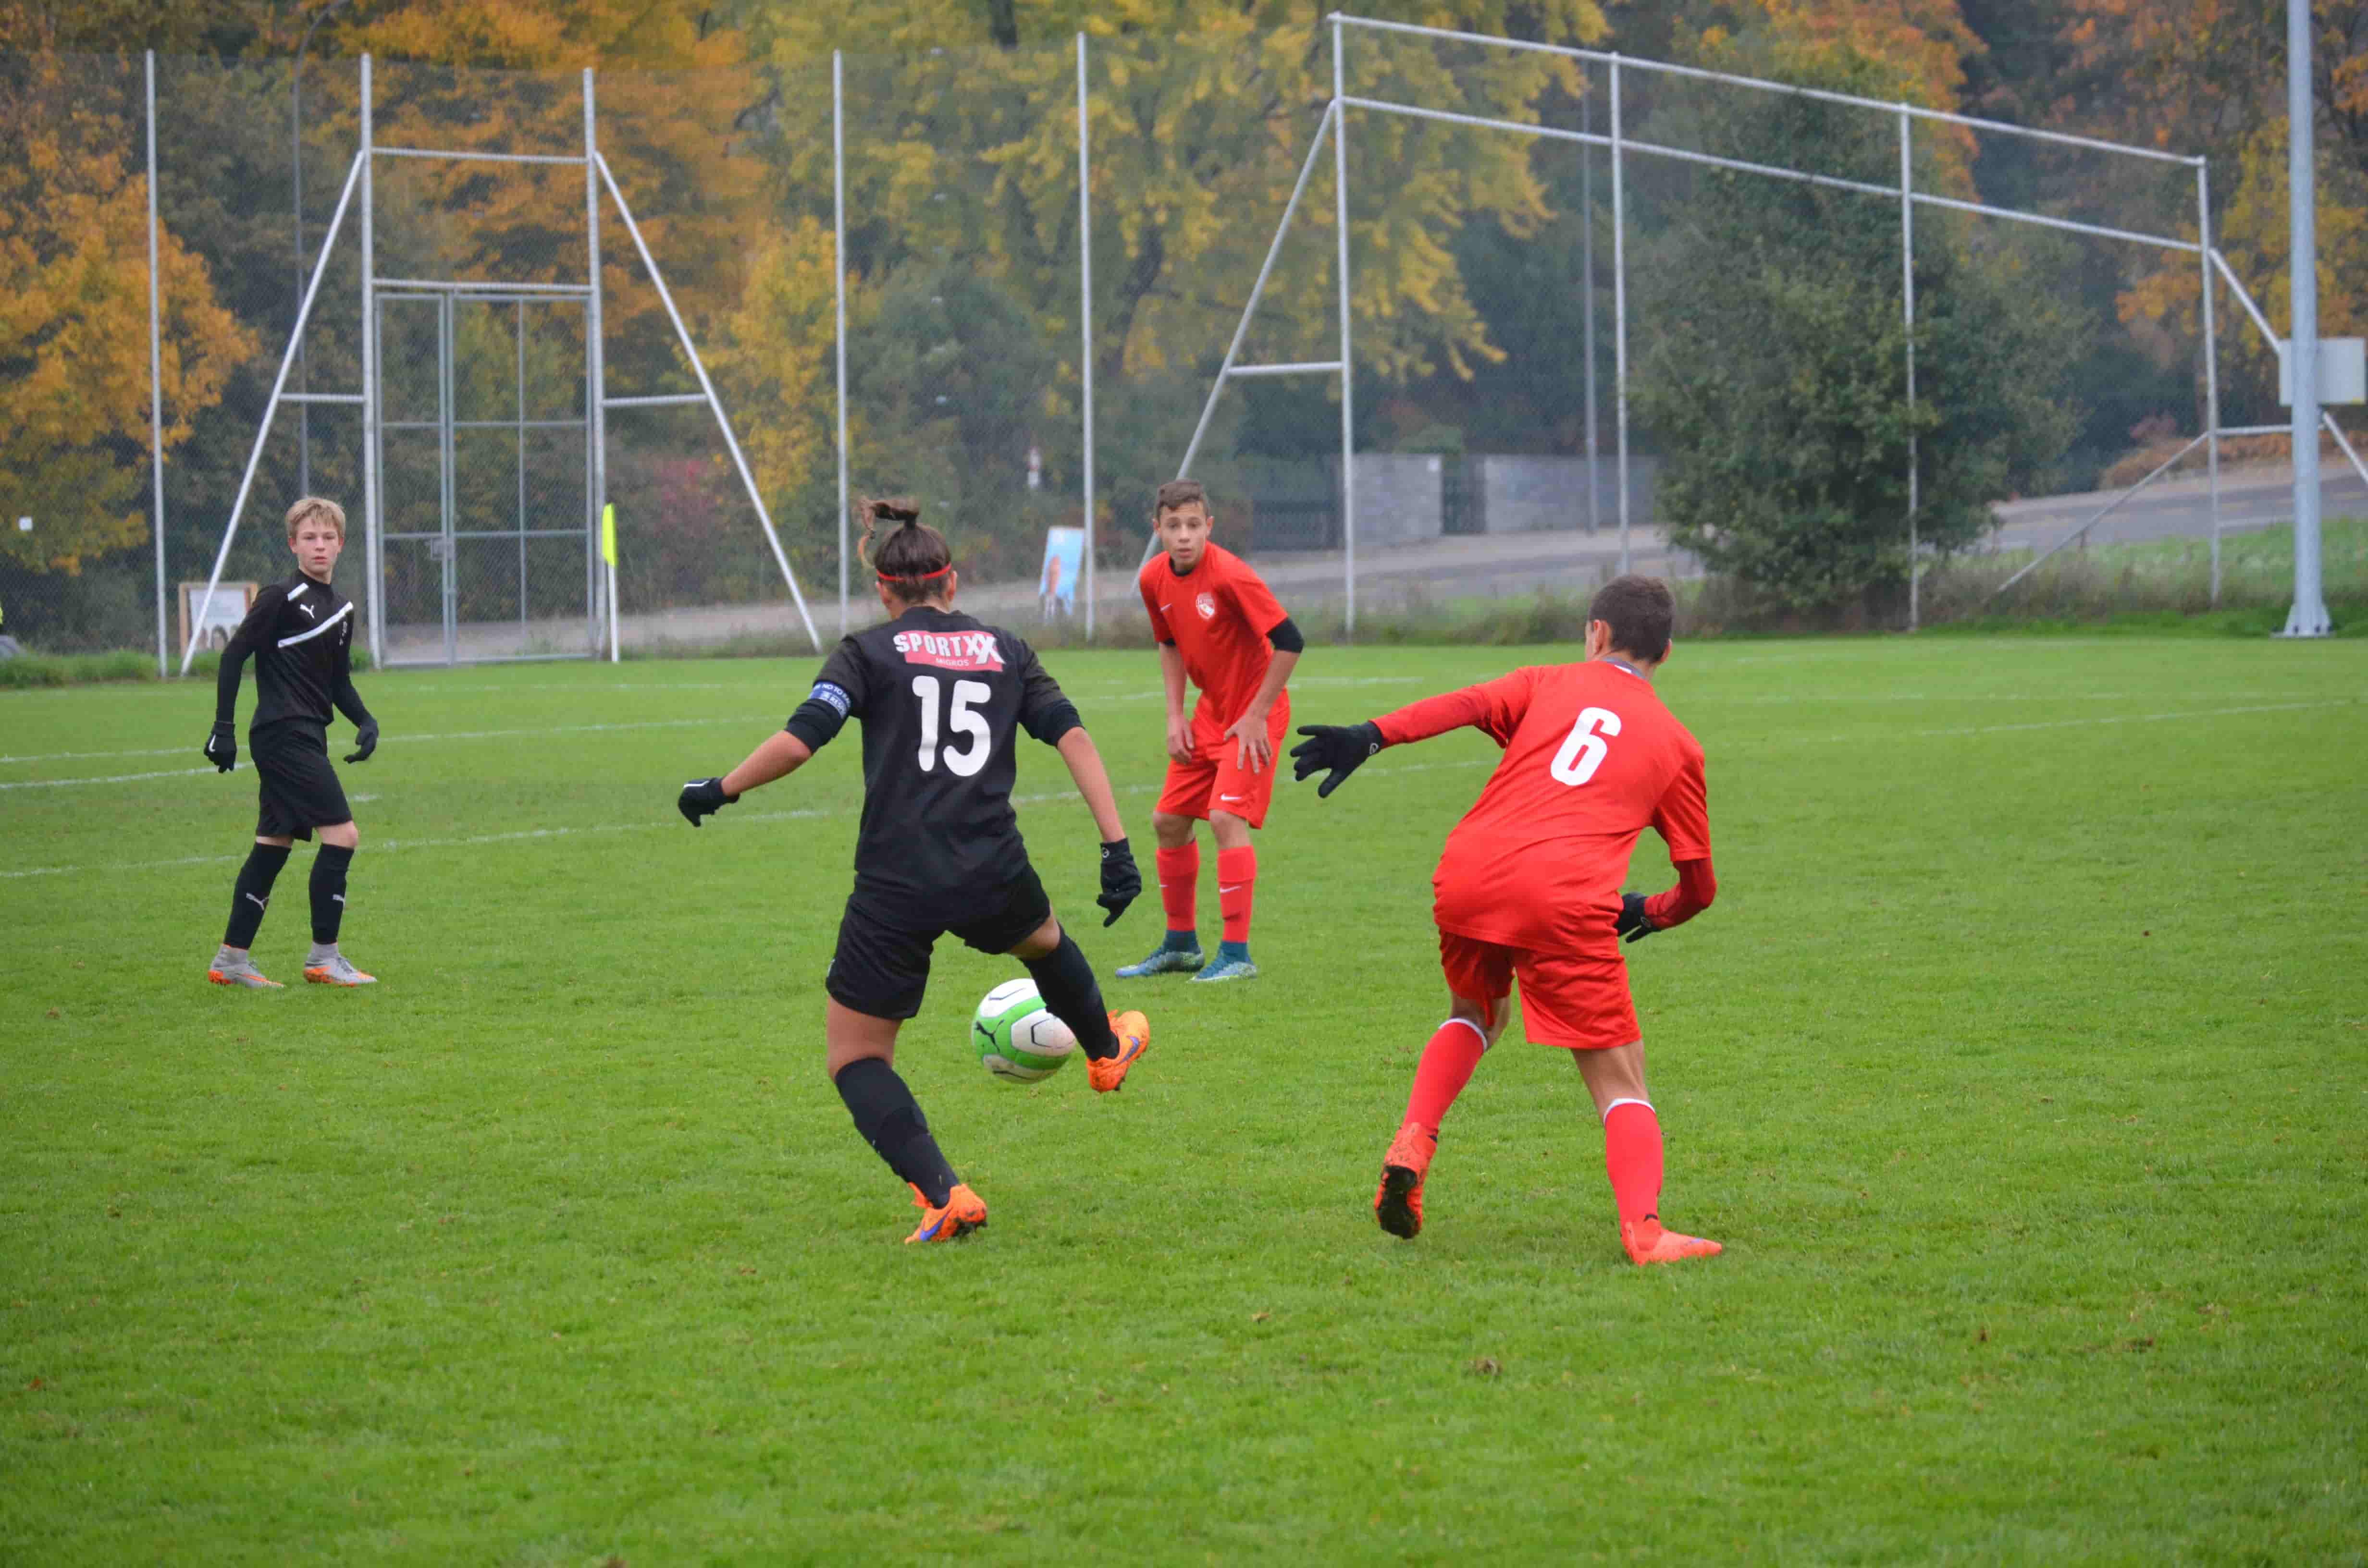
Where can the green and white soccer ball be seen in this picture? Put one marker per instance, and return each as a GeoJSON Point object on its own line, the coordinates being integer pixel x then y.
{"type": "Point", "coordinates": [1016, 1038]}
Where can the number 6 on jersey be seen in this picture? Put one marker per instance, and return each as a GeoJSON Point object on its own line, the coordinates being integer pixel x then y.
{"type": "Point", "coordinates": [1583, 750]}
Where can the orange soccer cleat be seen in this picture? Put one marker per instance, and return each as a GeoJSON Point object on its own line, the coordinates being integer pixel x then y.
{"type": "Point", "coordinates": [1648, 1242]}
{"type": "Point", "coordinates": [1134, 1031]}
{"type": "Point", "coordinates": [1398, 1203]}
{"type": "Point", "coordinates": [965, 1211]}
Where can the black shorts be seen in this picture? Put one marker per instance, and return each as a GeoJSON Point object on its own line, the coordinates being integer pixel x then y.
{"type": "Point", "coordinates": [296, 789]}
{"type": "Point", "coordinates": [881, 966]}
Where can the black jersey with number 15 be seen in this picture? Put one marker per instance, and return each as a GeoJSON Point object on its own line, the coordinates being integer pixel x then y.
{"type": "Point", "coordinates": [941, 697]}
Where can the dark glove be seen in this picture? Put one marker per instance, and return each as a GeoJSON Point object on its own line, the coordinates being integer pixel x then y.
{"type": "Point", "coordinates": [1122, 882]}
{"type": "Point", "coordinates": [365, 741]}
{"type": "Point", "coordinates": [1341, 748]}
{"type": "Point", "coordinates": [702, 796]}
{"type": "Point", "coordinates": [222, 747]}
{"type": "Point", "coordinates": [1632, 924]}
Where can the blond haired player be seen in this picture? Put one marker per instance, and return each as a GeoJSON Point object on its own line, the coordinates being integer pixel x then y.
{"type": "Point", "coordinates": [300, 633]}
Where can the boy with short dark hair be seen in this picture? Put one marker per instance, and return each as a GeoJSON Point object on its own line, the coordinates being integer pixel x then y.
{"type": "Point", "coordinates": [1218, 624]}
{"type": "Point", "coordinates": [300, 634]}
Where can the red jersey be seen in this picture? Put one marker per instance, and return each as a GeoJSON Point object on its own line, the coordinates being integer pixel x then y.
{"type": "Point", "coordinates": [1218, 615]}
{"type": "Point", "coordinates": [1591, 758]}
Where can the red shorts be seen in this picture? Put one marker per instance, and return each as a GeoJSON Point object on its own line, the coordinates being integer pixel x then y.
{"type": "Point", "coordinates": [1576, 1000]}
{"type": "Point", "coordinates": [1216, 781]}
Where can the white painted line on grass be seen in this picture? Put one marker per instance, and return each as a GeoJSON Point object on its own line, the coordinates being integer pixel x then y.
{"type": "Point", "coordinates": [112, 779]}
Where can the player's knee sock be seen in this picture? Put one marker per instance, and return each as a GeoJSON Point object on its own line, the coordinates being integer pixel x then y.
{"type": "Point", "coordinates": [1072, 995]}
{"type": "Point", "coordinates": [329, 892]}
{"type": "Point", "coordinates": [1456, 1049]}
{"type": "Point", "coordinates": [1237, 878]}
{"type": "Point", "coordinates": [251, 895]}
{"type": "Point", "coordinates": [892, 1122]}
{"type": "Point", "coordinates": [1180, 892]}
{"type": "Point", "coordinates": [1632, 1155]}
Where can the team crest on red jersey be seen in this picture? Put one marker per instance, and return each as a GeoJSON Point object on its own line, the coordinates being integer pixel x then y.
{"type": "Point", "coordinates": [1207, 605]}
{"type": "Point", "coordinates": [950, 650]}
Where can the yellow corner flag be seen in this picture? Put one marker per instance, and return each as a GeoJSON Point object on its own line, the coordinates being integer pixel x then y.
{"type": "Point", "coordinates": [609, 533]}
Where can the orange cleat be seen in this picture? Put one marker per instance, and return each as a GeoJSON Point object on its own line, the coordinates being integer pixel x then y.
{"type": "Point", "coordinates": [1398, 1203]}
{"type": "Point", "coordinates": [1134, 1031]}
{"type": "Point", "coordinates": [965, 1211]}
{"type": "Point", "coordinates": [243, 974]}
{"type": "Point", "coordinates": [1648, 1242]}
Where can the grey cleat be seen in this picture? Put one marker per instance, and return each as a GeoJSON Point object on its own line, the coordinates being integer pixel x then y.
{"type": "Point", "coordinates": [1163, 960]}
{"type": "Point", "coordinates": [237, 968]}
{"type": "Point", "coordinates": [333, 968]}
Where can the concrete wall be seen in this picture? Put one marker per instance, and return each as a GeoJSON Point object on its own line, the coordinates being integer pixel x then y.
{"type": "Point", "coordinates": [1399, 498]}
{"type": "Point", "coordinates": [1520, 494]}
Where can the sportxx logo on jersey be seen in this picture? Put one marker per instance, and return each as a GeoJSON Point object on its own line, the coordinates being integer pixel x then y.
{"type": "Point", "coordinates": [1207, 605]}
{"type": "Point", "coordinates": [950, 650]}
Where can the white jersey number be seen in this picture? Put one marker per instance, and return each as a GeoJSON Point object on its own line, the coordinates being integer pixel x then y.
{"type": "Point", "coordinates": [962, 719]}
{"type": "Point", "coordinates": [1582, 751]}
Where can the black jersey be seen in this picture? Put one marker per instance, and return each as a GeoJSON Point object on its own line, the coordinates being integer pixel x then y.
{"type": "Point", "coordinates": [300, 634]}
{"type": "Point", "coordinates": [941, 697]}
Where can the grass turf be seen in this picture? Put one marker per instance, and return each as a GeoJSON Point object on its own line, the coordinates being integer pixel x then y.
{"type": "Point", "coordinates": [2020, 1066]}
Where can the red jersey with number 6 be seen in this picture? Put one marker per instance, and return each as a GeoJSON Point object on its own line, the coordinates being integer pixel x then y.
{"type": "Point", "coordinates": [1592, 757]}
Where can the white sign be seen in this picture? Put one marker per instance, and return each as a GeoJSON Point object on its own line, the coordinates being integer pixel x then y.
{"type": "Point", "coordinates": [24, 525]}
{"type": "Point", "coordinates": [2342, 373]}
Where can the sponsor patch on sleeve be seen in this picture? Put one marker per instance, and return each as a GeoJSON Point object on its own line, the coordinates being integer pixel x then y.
{"type": "Point", "coordinates": [825, 692]}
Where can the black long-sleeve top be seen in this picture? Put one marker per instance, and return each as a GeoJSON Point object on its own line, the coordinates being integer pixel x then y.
{"type": "Point", "coordinates": [300, 634]}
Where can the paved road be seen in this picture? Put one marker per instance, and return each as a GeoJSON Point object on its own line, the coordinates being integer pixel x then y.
{"type": "Point", "coordinates": [1502, 565]}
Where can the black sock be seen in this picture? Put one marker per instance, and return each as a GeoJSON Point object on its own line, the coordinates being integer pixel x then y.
{"type": "Point", "coordinates": [893, 1124]}
{"type": "Point", "coordinates": [329, 891]}
{"type": "Point", "coordinates": [251, 895]}
{"type": "Point", "coordinates": [1072, 995]}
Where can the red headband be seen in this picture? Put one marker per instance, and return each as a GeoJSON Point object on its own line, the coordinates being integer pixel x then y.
{"type": "Point", "coordinates": [918, 577]}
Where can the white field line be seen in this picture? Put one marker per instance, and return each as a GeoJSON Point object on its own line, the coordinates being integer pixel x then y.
{"type": "Point", "coordinates": [112, 779]}
{"type": "Point", "coordinates": [389, 844]}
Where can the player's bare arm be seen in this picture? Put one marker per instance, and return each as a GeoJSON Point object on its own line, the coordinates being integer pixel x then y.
{"type": "Point", "coordinates": [1180, 722]}
{"type": "Point", "coordinates": [1122, 880]}
{"type": "Point", "coordinates": [1248, 731]}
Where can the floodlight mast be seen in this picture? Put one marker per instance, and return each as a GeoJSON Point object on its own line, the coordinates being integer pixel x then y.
{"type": "Point", "coordinates": [2308, 616]}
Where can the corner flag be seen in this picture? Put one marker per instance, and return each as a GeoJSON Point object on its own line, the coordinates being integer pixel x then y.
{"type": "Point", "coordinates": [609, 533]}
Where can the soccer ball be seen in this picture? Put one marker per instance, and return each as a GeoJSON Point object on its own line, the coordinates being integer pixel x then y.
{"type": "Point", "coordinates": [1016, 1038]}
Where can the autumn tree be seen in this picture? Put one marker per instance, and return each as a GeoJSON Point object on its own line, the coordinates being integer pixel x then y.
{"type": "Point", "coordinates": [73, 319]}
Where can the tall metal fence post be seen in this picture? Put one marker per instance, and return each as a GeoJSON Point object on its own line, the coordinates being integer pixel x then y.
{"type": "Point", "coordinates": [2210, 361]}
{"type": "Point", "coordinates": [596, 369]}
{"type": "Point", "coordinates": [373, 500]}
{"type": "Point", "coordinates": [155, 385]}
{"type": "Point", "coordinates": [2308, 616]}
{"type": "Point", "coordinates": [1348, 363]}
{"type": "Point", "coordinates": [1907, 315]}
{"type": "Point", "coordinates": [1086, 316]}
{"type": "Point", "coordinates": [838, 258]}
{"type": "Point", "coordinates": [1587, 333]}
{"type": "Point", "coordinates": [1619, 309]}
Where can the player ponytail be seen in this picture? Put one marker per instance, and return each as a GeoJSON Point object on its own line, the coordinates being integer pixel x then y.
{"type": "Point", "coordinates": [911, 558]}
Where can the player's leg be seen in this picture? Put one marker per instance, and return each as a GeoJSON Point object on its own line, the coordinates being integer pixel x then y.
{"type": "Point", "coordinates": [1632, 1155]}
{"type": "Point", "coordinates": [1182, 803]}
{"type": "Point", "coordinates": [1479, 976]}
{"type": "Point", "coordinates": [1112, 1041]}
{"type": "Point", "coordinates": [233, 963]}
{"type": "Point", "coordinates": [877, 977]}
{"type": "Point", "coordinates": [1242, 796]}
{"type": "Point", "coordinates": [325, 965]}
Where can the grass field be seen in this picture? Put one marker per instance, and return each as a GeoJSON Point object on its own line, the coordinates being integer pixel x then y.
{"type": "Point", "coordinates": [2022, 1066]}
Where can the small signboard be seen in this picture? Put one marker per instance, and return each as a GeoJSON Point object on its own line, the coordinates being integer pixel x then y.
{"type": "Point", "coordinates": [2342, 373]}
{"type": "Point", "coordinates": [1056, 585]}
{"type": "Point", "coordinates": [228, 608]}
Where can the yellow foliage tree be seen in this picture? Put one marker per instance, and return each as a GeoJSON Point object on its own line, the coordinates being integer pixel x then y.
{"type": "Point", "coordinates": [73, 324]}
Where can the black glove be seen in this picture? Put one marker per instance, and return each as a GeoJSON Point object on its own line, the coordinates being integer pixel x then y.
{"type": "Point", "coordinates": [1341, 748]}
{"type": "Point", "coordinates": [1122, 882]}
{"type": "Point", "coordinates": [222, 747]}
{"type": "Point", "coordinates": [1633, 925]}
{"type": "Point", "coordinates": [702, 796]}
{"type": "Point", "coordinates": [365, 741]}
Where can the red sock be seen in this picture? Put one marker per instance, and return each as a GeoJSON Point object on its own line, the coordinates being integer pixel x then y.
{"type": "Point", "coordinates": [1446, 1066]}
{"type": "Point", "coordinates": [1237, 876]}
{"type": "Point", "coordinates": [1632, 1155]}
{"type": "Point", "coordinates": [1180, 885]}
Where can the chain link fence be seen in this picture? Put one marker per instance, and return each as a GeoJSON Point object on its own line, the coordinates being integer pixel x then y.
{"type": "Point", "coordinates": [1505, 268]}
